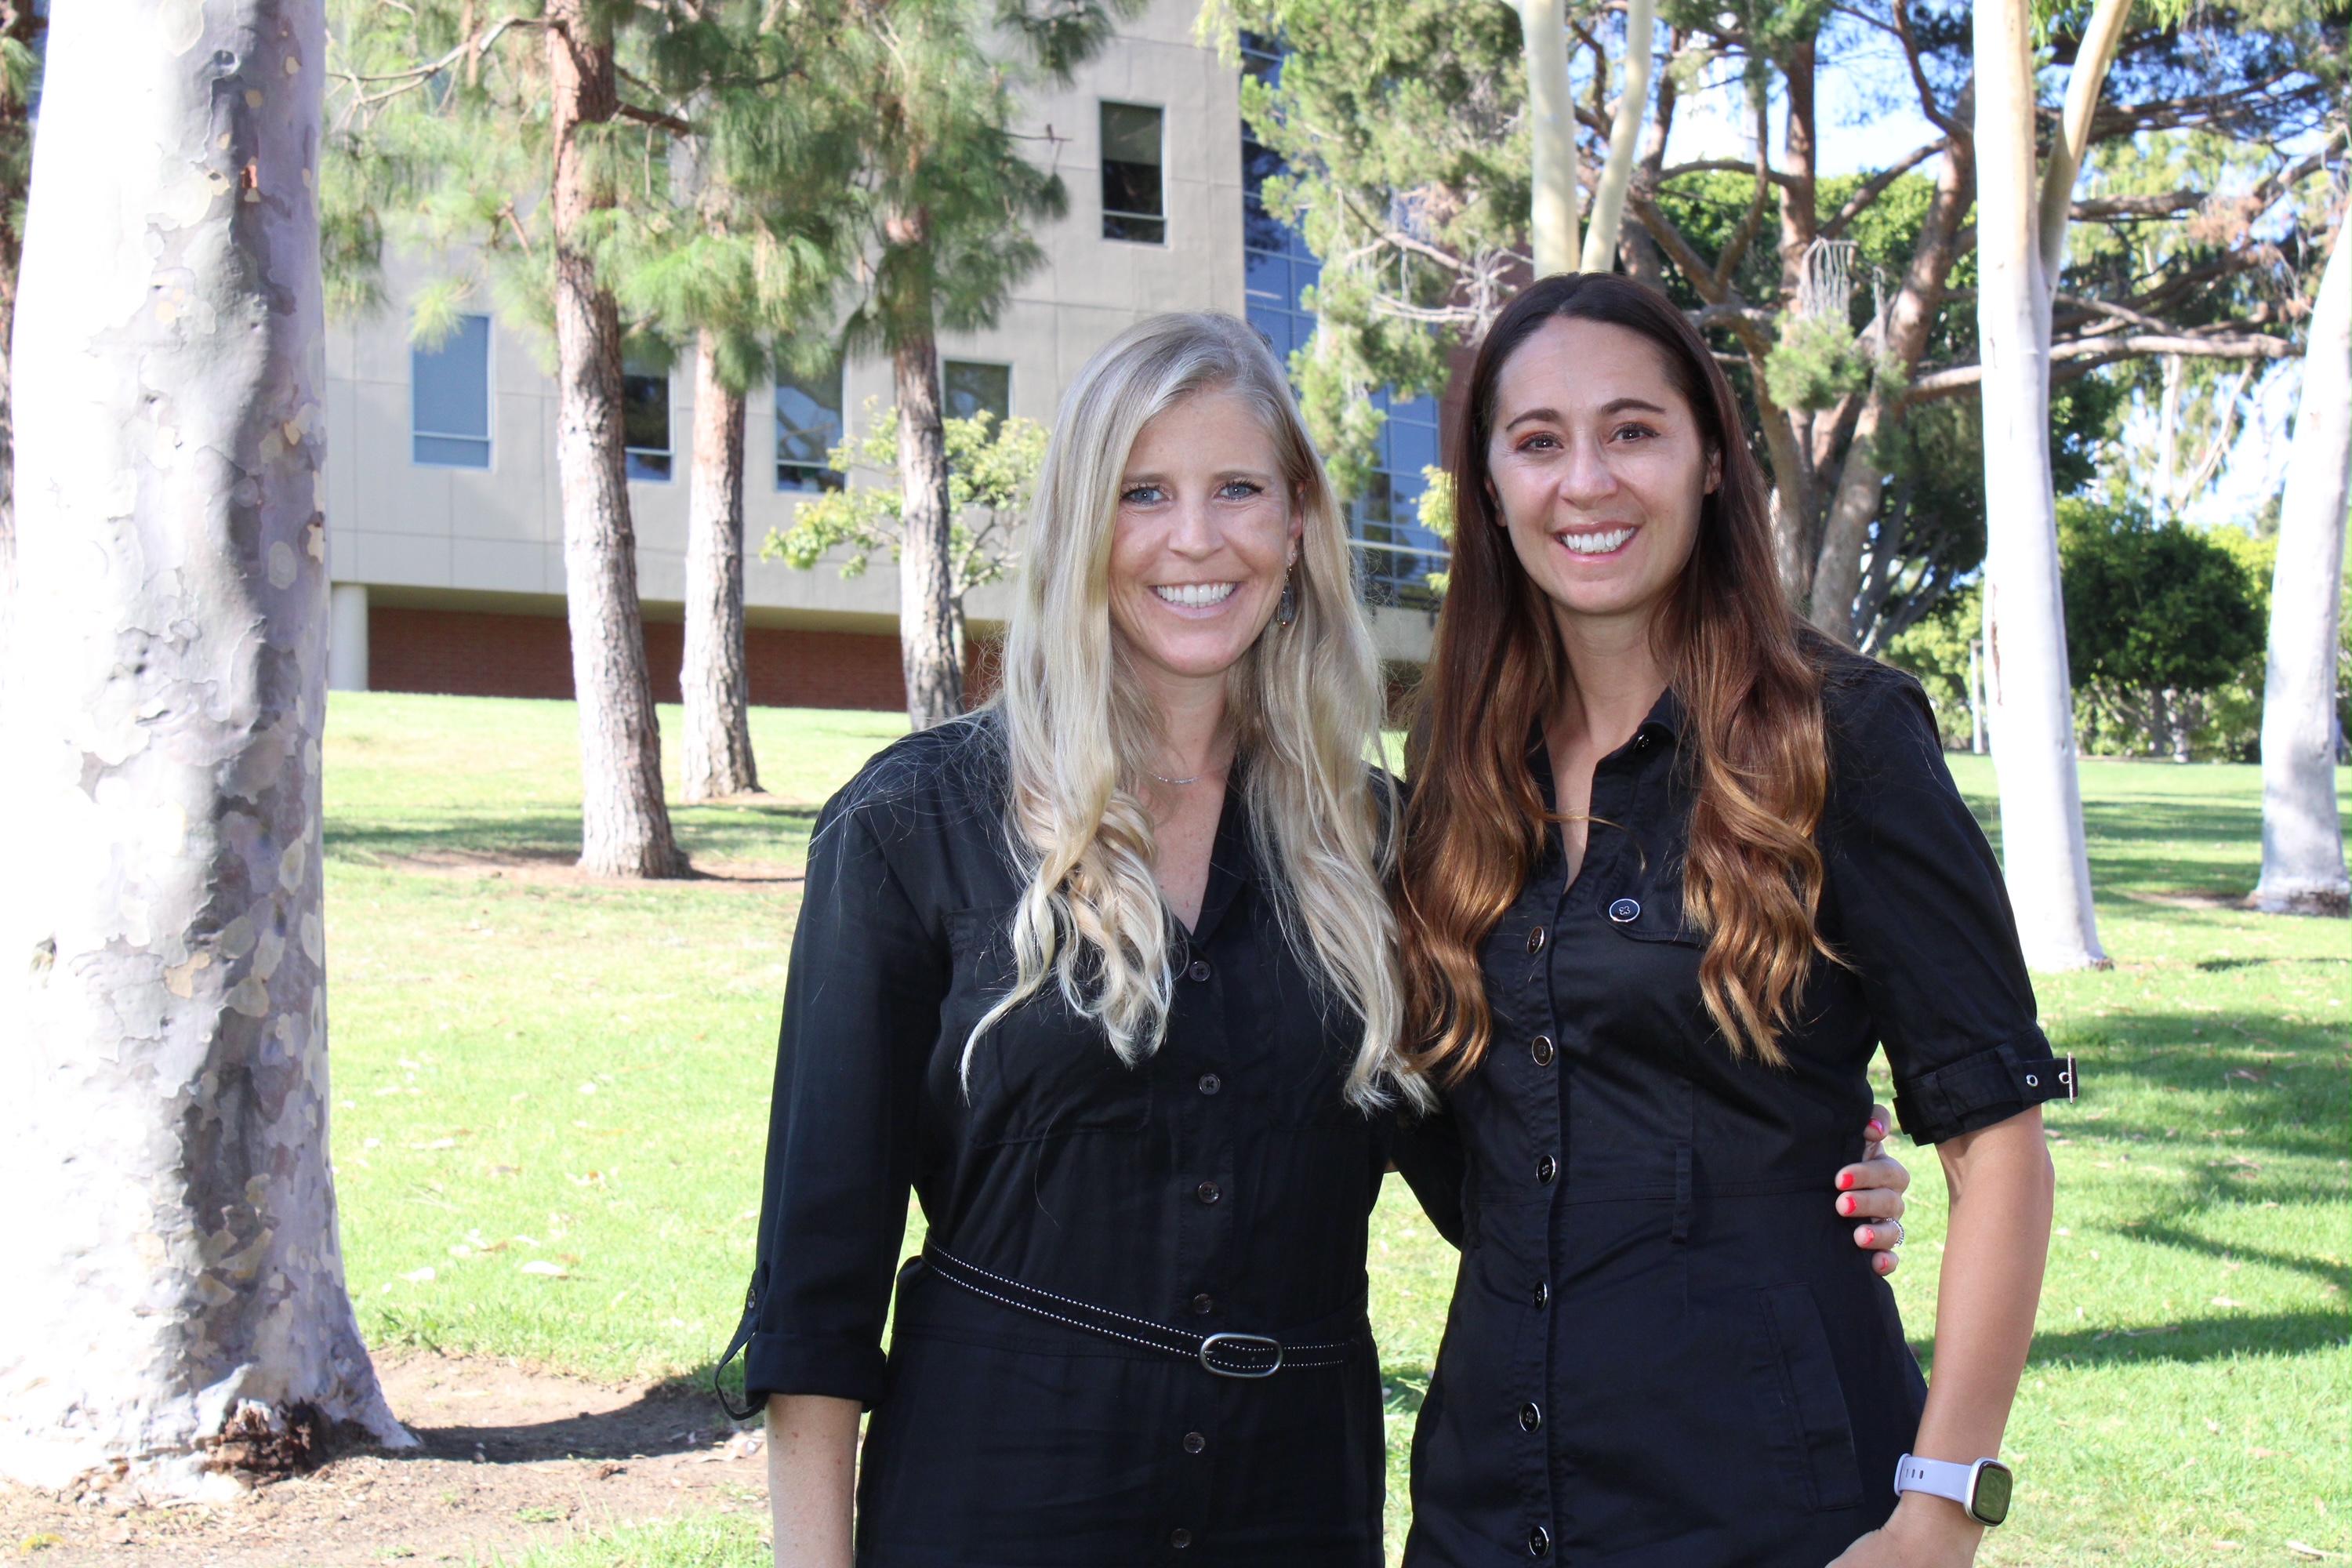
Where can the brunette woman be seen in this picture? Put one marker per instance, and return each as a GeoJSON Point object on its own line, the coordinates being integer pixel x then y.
{"type": "Point", "coordinates": [1674, 868]}
{"type": "Point", "coordinates": [1106, 974]}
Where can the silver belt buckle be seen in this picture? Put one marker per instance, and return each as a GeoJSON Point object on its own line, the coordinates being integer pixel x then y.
{"type": "Point", "coordinates": [1208, 1345]}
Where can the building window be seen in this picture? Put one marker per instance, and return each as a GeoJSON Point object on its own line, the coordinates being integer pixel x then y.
{"type": "Point", "coordinates": [449, 398]}
{"type": "Point", "coordinates": [1397, 553]}
{"type": "Point", "coordinates": [808, 427]}
{"type": "Point", "coordinates": [644, 421]}
{"type": "Point", "coordinates": [970, 387]}
{"type": "Point", "coordinates": [1133, 205]}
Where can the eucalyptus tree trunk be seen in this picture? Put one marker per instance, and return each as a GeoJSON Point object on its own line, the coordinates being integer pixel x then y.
{"type": "Point", "coordinates": [1624, 134]}
{"type": "Point", "coordinates": [2045, 857]}
{"type": "Point", "coordinates": [624, 822]}
{"type": "Point", "coordinates": [1551, 136]}
{"type": "Point", "coordinates": [20, 24]}
{"type": "Point", "coordinates": [1837, 574]}
{"type": "Point", "coordinates": [175, 1309]}
{"type": "Point", "coordinates": [2303, 839]}
{"type": "Point", "coordinates": [928, 652]}
{"type": "Point", "coordinates": [714, 679]}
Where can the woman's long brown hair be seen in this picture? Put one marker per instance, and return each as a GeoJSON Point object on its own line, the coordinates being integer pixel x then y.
{"type": "Point", "coordinates": [1748, 676]}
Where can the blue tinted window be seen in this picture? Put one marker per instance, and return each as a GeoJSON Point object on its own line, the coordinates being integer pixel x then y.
{"type": "Point", "coordinates": [808, 427]}
{"type": "Point", "coordinates": [449, 398]}
{"type": "Point", "coordinates": [1385, 519]}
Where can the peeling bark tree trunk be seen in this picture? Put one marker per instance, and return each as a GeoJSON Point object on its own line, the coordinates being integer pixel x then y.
{"type": "Point", "coordinates": [714, 680]}
{"type": "Point", "coordinates": [927, 654]}
{"type": "Point", "coordinates": [2045, 857]}
{"type": "Point", "coordinates": [1837, 574]}
{"type": "Point", "coordinates": [623, 823]}
{"type": "Point", "coordinates": [2303, 839]}
{"type": "Point", "coordinates": [175, 1303]}
{"type": "Point", "coordinates": [21, 23]}
{"type": "Point", "coordinates": [1624, 131]}
{"type": "Point", "coordinates": [1551, 137]}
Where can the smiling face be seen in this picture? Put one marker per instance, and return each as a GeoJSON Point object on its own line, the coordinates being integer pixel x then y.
{"type": "Point", "coordinates": [1600, 468]}
{"type": "Point", "coordinates": [1204, 535]}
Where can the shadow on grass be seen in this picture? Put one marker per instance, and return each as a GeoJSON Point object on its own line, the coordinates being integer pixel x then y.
{"type": "Point", "coordinates": [666, 1419]}
{"type": "Point", "coordinates": [2196, 1340]}
{"type": "Point", "coordinates": [743, 833]}
{"type": "Point", "coordinates": [2327, 1270]}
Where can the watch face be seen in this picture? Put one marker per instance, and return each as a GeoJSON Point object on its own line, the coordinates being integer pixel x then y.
{"type": "Point", "coordinates": [1988, 1499]}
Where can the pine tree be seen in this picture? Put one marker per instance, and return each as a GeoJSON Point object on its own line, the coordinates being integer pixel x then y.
{"type": "Point", "coordinates": [508, 126]}
{"type": "Point", "coordinates": [748, 251]}
{"type": "Point", "coordinates": [950, 198]}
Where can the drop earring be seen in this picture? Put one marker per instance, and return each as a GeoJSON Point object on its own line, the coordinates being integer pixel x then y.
{"type": "Point", "coordinates": [1287, 610]}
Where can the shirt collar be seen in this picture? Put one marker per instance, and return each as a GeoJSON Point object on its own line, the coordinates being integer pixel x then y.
{"type": "Point", "coordinates": [1667, 720]}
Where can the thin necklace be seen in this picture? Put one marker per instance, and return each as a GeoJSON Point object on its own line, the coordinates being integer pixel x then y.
{"type": "Point", "coordinates": [1163, 778]}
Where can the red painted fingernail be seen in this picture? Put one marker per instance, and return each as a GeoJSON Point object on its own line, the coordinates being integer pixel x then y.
{"type": "Point", "coordinates": [1876, 1127]}
{"type": "Point", "coordinates": [1845, 1205]}
{"type": "Point", "coordinates": [1846, 1180]}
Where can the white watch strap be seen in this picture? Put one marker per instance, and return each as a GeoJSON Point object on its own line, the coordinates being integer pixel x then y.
{"type": "Point", "coordinates": [1937, 1478]}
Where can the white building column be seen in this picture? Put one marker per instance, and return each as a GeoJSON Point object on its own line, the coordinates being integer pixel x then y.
{"type": "Point", "coordinates": [347, 638]}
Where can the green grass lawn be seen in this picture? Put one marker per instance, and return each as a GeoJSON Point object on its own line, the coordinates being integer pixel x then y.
{"type": "Point", "coordinates": [539, 1074]}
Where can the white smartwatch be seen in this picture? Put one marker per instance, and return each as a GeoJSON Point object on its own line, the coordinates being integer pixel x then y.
{"type": "Point", "coordinates": [1983, 1489]}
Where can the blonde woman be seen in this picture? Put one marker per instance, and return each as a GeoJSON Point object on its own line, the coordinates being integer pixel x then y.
{"type": "Point", "coordinates": [1105, 975]}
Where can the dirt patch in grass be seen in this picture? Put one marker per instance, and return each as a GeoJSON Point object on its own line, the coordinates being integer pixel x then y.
{"type": "Point", "coordinates": [511, 1459]}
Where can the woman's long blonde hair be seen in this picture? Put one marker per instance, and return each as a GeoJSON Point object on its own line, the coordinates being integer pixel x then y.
{"type": "Point", "coordinates": [1305, 703]}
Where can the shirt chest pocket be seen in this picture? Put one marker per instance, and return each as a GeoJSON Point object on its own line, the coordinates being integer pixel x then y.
{"type": "Point", "coordinates": [1041, 1070]}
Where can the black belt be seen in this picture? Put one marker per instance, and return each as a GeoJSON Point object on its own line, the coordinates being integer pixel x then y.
{"type": "Point", "coordinates": [1227, 1355]}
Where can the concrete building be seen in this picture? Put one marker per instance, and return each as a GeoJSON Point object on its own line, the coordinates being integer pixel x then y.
{"type": "Point", "coordinates": [445, 520]}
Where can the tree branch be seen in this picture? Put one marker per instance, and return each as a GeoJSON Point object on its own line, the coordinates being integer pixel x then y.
{"type": "Point", "coordinates": [669, 122]}
{"type": "Point", "coordinates": [1725, 166]}
{"type": "Point", "coordinates": [1872, 188]}
{"type": "Point", "coordinates": [2090, 353]}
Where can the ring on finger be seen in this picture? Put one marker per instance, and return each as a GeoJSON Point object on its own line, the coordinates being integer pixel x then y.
{"type": "Point", "coordinates": [1899, 1232]}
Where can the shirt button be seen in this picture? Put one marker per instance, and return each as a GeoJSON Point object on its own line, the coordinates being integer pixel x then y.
{"type": "Point", "coordinates": [1546, 1169]}
{"type": "Point", "coordinates": [1624, 909]}
{"type": "Point", "coordinates": [1194, 1442]}
{"type": "Point", "coordinates": [1205, 1303]}
{"type": "Point", "coordinates": [1536, 939]}
{"type": "Point", "coordinates": [1200, 973]}
{"type": "Point", "coordinates": [1208, 1192]}
{"type": "Point", "coordinates": [1211, 1083]}
{"type": "Point", "coordinates": [1179, 1539]}
{"type": "Point", "coordinates": [1529, 1419]}
{"type": "Point", "coordinates": [1642, 742]}
{"type": "Point", "coordinates": [1541, 1050]}
{"type": "Point", "coordinates": [1543, 1293]}
{"type": "Point", "coordinates": [1538, 1541]}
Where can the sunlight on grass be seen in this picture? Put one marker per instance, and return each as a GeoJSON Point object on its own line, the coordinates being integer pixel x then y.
{"type": "Point", "coordinates": [552, 1105]}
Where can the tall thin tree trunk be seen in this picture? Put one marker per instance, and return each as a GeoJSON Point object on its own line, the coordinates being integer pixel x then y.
{"type": "Point", "coordinates": [2029, 692]}
{"type": "Point", "coordinates": [1624, 134]}
{"type": "Point", "coordinates": [2303, 839]}
{"type": "Point", "coordinates": [1551, 136]}
{"type": "Point", "coordinates": [1837, 574]}
{"type": "Point", "coordinates": [624, 822]}
{"type": "Point", "coordinates": [927, 650]}
{"type": "Point", "coordinates": [175, 1306]}
{"type": "Point", "coordinates": [714, 678]}
{"type": "Point", "coordinates": [21, 24]}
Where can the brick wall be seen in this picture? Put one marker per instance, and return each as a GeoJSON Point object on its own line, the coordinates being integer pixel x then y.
{"type": "Point", "coordinates": [468, 653]}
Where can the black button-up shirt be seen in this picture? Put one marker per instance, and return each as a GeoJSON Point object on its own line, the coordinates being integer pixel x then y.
{"type": "Point", "coordinates": [1664, 1348]}
{"type": "Point", "coordinates": [1222, 1185]}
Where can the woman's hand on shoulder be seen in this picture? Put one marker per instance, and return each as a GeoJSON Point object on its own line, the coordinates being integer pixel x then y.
{"type": "Point", "coordinates": [1871, 1191]}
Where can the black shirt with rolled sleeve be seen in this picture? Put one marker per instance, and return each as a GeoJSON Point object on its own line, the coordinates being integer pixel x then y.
{"type": "Point", "coordinates": [1223, 1185]}
{"type": "Point", "coordinates": [1663, 1347]}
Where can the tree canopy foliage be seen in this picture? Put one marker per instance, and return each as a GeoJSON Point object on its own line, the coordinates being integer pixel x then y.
{"type": "Point", "coordinates": [1844, 305]}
